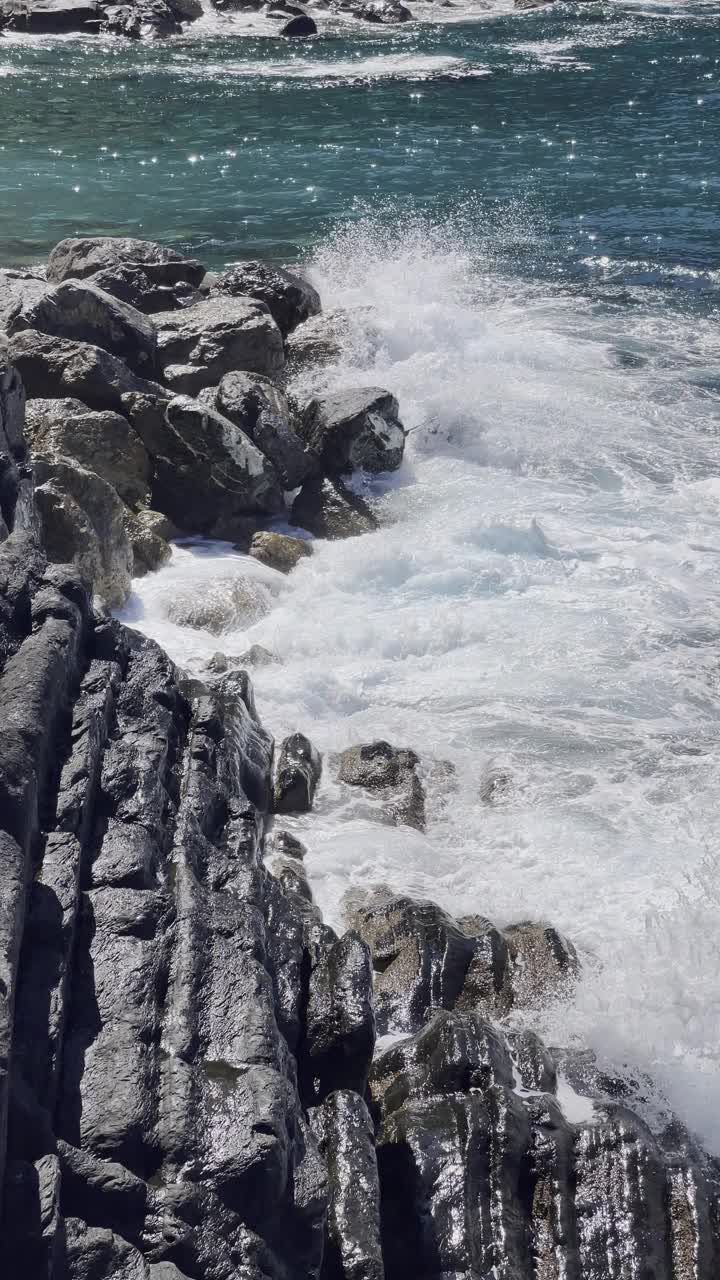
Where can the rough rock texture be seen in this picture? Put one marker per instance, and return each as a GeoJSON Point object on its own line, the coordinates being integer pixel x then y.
{"type": "Point", "coordinates": [352, 429]}
{"type": "Point", "coordinates": [345, 1135]}
{"type": "Point", "coordinates": [79, 310]}
{"type": "Point", "coordinates": [50, 16]}
{"type": "Point", "coordinates": [199, 344]}
{"type": "Point", "coordinates": [83, 521]}
{"type": "Point", "coordinates": [210, 472]}
{"type": "Point", "coordinates": [390, 773]}
{"type": "Point", "coordinates": [17, 290]}
{"type": "Point", "coordinates": [131, 282]}
{"type": "Point", "coordinates": [101, 441]}
{"type": "Point", "coordinates": [78, 258]}
{"type": "Point", "coordinates": [279, 551]}
{"type": "Point", "coordinates": [261, 410]}
{"type": "Point", "coordinates": [327, 509]}
{"type": "Point", "coordinates": [290, 299]}
{"type": "Point", "coordinates": [297, 774]}
{"type": "Point", "coordinates": [425, 960]}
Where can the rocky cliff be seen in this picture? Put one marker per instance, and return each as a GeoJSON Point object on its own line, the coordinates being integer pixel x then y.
{"type": "Point", "coordinates": [191, 1080]}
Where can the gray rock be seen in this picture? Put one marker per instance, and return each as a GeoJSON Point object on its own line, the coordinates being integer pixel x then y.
{"type": "Point", "coordinates": [78, 258]}
{"type": "Point", "coordinates": [98, 544]}
{"type": "Point", "coordinates": [143, 19]}
{"type": "Point", "coordinates": [210, 472]}
{"type": "Point", "coordinates": [391, 773]}
{"type": "Point", "coordinates": [261, 410]}
{"type": "Point", "coordinates": [279, 551]}
{"type": "Point", "coordinates": [353, 429]}
{"type": "Point", "coordinates": [327, 509]}
{"type": "Point", "coordinates": [102, 441]}
{"type": "Point", "coordinates": [54, 368]}
{"type": "Point", "coordinates": [18, 289]}
{"type": "Point", "coordinates": [79, 311]}
{"type": "Point", "coordinates": [201, 343]}
{"type": "Point", "coordinates": [340, 1020]}
{"type": "Point", "coordinates": [290, 299]}
{"type": "Point", "coordinates": [226, 604]}
{"type": "Point", "coordinates": [345, 1134]}
{"type": "Point", "coordinates": [131, 283]}
{"type": "Point", "coordinates": [297, 774]}
{"type": "Point", "coordinates": [148, 532]}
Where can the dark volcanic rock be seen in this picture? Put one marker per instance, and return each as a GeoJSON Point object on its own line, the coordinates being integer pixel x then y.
{"type": "Point", "coordinates": [103, 441]}
{"type": "Point", "coordinates": [279, 551]}
{"type": "Point", "coordinates": [340, 1020]}
{"type": "Point", "coordinates": [261, 410]}
{"type": "Point", "coordinates": [297, 774]}
{"type": "Point", "coordinates": [327, 509]}
{"type": "Point", "coordinates": [131, 283]}
{"type": "Point", "coordinates": [346, 1138]}
{"type": "Point", "coordinates": [353, 429]}
{"type": "Point", "coordinates": [83, 521]}
{"type": "Point", "coordinates": [290, 299]}
{"type": "Point", "coordinates": [50, 16]}
{"type": "Point", "coordinates": [210, 472]}
{"type": "Point", "coordinates": [382, 11]}
{"type": "Point", "coordinates": [78, 258]}
{"type": "Point", "coordinates": [300, 26]}
{"type": "Point", "coordinates": [391, 773]}
{"type": "Point", "coordinates": [78, 310]}
{"type": "Point", "coordinates": [201, 343]}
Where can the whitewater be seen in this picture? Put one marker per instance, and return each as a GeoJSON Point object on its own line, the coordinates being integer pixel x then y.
{"type": "Point", "coordinates": [540, 611]}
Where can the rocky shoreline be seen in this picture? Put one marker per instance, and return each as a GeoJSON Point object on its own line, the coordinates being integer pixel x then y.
{"type": "Point", "coordinates": [158, 19]}
{"type": "Point", "coordinates": [198, 1077]}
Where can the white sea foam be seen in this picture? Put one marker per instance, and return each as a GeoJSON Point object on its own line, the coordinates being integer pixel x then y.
{"type": "Point", "coordinates": [545, 600]}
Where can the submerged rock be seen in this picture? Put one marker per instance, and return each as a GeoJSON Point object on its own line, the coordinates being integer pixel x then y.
{"type": "Point", "coordinates": [289, 298]}
{"type": "Point", "coordinates": [219, 605]}
{"type": "Point", "coordinates": [353, 429]}
{"type": "Point", "coordinates": [297, 774]}
{"type": "Point", "coordinates": [279, 551]}
{"type": "Point", "coordinates": [391, 773]}
{"type": "Point", "coordinates": [328, 509]}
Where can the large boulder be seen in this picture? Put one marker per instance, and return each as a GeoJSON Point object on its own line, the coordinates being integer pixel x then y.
{"type": "Point", "coordinates": [83, 522]}
{"type": "Point", "coordinates": [346, 1137]}
{"type": "Point", "coordinates": [100, 440]}
{"type": "Point", "coordinates": [210, 473]}
{"type": "Point", "coordinates": [84, 256]}
{"type": "Point", "coordinates": [131, 283]}
{"type": "Point", "coordinates": [201, 343]}
{"type": "Point", "coordinates": [289, 298]}
{"type": "Point", "coordinates": [340, 1019]}
{"type": "Point", "coordinates": [353, 429]}
{"type": "Point", "coordinates": [327, 509]}
{"type": "Point", "coordinates": [50, 16]}
{"type": "Point", "coordinates": [382, 11]}
{"type": "Point", "coordinates": [54, 368]}
{"type": "Point", "coordinates": [261, 410]}
{"type": "Point", "coordinates": [142, 20]}
{"type": "Point", "coordinates": [79, 310]}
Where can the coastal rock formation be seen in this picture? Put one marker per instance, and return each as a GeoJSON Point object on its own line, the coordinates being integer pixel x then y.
{"type": "Point", "coordinates": [353, 429]}
{"type": "Point", "coordinates": [199, 344]}
{"type": "Point", "coordinates": [77, 259]}
{"type": "Point", "coordinates": [78, 309]}
{"type": "Point", "coordinates": [191, 1084]}
{"type": "Point", "coordinates": [328, 509]}
{"type": "Point", "coordinates": [279, 551]}
{"type": "Point", "coordinates": [260, 409]}
{"type": "Point", "coordinates": [289, 298]}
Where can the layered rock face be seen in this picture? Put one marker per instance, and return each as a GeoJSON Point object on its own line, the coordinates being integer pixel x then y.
{"type": "Point", "coordinates": [190, 1084]}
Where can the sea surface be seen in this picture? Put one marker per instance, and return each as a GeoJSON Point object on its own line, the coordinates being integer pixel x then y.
{"type": "Point", "coordinates": [521, 212]}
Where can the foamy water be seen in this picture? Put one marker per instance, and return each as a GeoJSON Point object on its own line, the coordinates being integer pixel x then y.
{"type": "Point", "coordinates": [543, 601]}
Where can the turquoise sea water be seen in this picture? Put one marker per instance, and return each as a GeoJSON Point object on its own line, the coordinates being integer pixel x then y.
{"type": "Point", "coordinates": [520, 212]}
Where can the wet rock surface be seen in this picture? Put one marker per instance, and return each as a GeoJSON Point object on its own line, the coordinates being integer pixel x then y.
{"type": "Point", "coordinates": [199, 1079]}
{"type": "Point", "coordinates": [354, 429]}
{"type": "Point", "coordinates": [289, 297]}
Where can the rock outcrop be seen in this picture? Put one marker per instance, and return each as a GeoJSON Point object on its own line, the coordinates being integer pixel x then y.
{"type": "Point", "coordinates": [191, 1081]}
{"type": "Point", "coordinates": [353, 429]}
